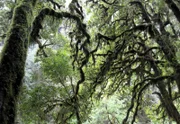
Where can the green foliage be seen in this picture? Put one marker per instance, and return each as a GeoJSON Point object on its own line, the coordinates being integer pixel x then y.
{"type": "Point", "coordinates": [108, 110]}
{"type": "Point", "coordinates": [34, 102]}
{"type": "Point", "coordinates": [57, 66]}
{"type": "Point", "coordinates": [47, 96]}
{"type": "Point", "coordinates": [5, 17]}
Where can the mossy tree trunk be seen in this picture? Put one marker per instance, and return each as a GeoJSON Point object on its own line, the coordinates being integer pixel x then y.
{"type": "Point", "coordinates": [170, 54]}
{"type": "Point", "coordinates": [13, 59]}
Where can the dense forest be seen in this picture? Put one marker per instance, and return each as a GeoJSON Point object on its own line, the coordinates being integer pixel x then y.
{"type": "Point", "coordinates": [89, 62]}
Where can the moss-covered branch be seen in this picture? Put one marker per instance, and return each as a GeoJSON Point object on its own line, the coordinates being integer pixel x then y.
{"type": "Point", "coordinates": [37, 24]}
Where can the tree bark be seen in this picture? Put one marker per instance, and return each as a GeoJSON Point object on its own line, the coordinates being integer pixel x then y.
{"type": "Point", "coordinates": [174, 8]}
{"type": "Point", "coordinates": [13, 59]}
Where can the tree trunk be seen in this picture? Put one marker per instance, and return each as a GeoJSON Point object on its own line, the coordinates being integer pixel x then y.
{"type": "Point", "coordinates": [172, 5]}
{"type": "Point", "coordinates": [165, 97]}
{"type": "Point", "coordinates": [169, 52]}
{"type": "Point", "coordinates": [13, 59]}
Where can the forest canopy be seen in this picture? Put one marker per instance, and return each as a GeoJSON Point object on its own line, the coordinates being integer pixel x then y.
{"type": "Point", "coordinates": [89, 61]}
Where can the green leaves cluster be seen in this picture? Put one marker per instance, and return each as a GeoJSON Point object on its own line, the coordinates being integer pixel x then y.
{"type": "Point", "coordinates": [57, 66]}
{"type": "Point", "coordinates": [108, 110]}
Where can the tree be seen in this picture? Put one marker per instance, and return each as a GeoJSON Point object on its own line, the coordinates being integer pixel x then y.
{"type": "Point", "coordinates": [14, 52]}
{"type": "Point", "coordinates": [13, 60]}
{"type": "Point", "coordinates": [140, 43]}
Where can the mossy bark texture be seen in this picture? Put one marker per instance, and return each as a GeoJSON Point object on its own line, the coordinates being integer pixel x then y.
{"type": "Point", "coordinates": [12, 61]}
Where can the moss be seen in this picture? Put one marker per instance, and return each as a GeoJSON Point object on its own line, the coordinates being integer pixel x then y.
{"type": "Point", "coordinates": [12, 61]}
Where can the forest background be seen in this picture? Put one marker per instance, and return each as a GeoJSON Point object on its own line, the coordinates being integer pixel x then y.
{"type": "Point", "coordinates": [90, 61]}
